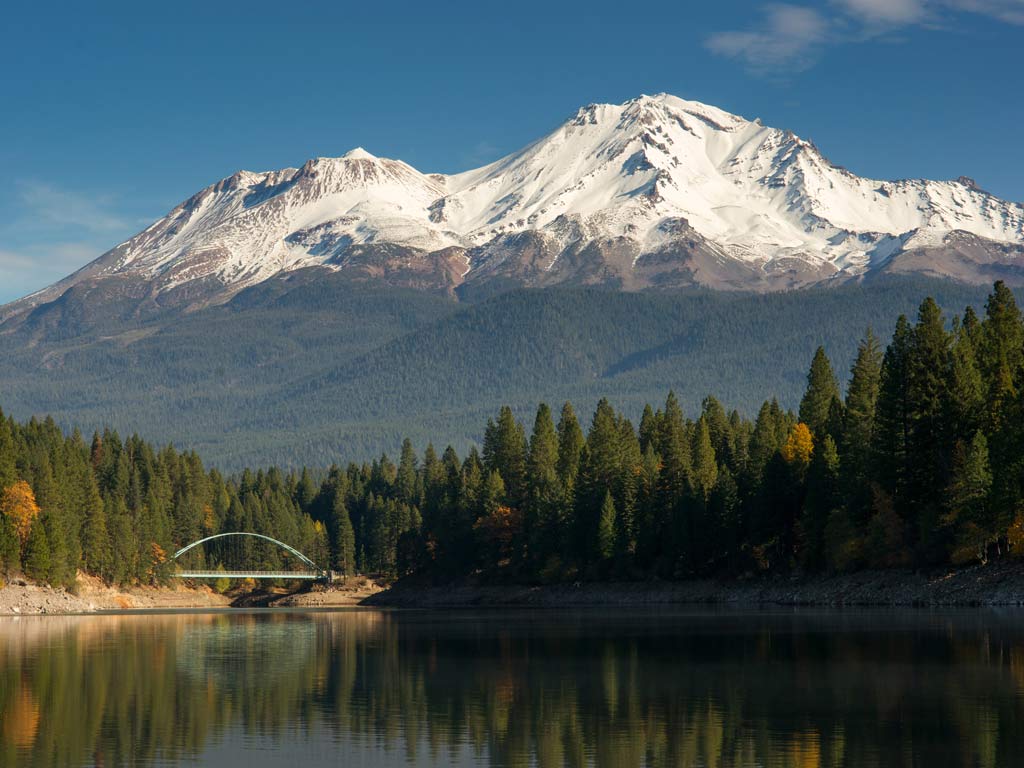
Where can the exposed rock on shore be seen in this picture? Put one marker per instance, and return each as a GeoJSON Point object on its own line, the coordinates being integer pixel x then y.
{"type": "Point", "coordinates": [19, 597]}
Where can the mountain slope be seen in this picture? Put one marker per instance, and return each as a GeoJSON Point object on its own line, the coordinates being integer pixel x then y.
{"type": "Point", "coordinates": [655, 192]}
{"type": "Point", "coordinates": [310, 367]}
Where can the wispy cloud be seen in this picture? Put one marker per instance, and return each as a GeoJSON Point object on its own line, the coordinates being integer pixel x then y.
{"type": "Point", "coordinates": [24, 270]}
{"type": "Point", "coordinates": [51, 231]}
{"type": "Point", "coordinates": [791, 37]}
{"type": "Point", "coordinates": [885, 12]}
{"type": "Point", "coordinates": [52, 205]}
{"type": "Point", "coordinates": [1010, 11]}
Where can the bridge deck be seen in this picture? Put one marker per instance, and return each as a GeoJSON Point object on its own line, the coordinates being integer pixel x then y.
{"type": "Point", "coordinates": [310, 575]}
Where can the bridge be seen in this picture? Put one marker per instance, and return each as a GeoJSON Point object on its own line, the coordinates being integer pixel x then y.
{"type": "Point", "coordinates": [309, 571]}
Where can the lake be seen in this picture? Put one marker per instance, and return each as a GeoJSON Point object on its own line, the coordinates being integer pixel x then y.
{"type": "Point", "coordinates": [675, 687]}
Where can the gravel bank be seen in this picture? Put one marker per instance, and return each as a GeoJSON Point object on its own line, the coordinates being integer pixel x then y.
{"type": "Point", "coordinates": [20, 597]}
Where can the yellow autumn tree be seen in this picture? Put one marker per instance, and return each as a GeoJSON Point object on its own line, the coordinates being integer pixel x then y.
{"type": "Point", "coordinates": [18, 505]}
{"type": "Point", "coordinates": [799, 446]}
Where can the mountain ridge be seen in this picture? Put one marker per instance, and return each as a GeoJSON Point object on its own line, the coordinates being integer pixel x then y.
{"type": "Point", "coordinates": [657, 192]}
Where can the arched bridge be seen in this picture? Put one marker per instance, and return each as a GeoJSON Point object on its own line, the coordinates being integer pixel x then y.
{"type": "Point", "coordinates": [309, 570]}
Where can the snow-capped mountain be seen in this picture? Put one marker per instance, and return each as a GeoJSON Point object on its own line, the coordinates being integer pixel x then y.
{"type": "Point", "coordinates": [655, 191]}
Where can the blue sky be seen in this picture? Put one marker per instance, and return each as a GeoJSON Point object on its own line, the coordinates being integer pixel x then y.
{"type": "Point", "coordinates": [115, 112]}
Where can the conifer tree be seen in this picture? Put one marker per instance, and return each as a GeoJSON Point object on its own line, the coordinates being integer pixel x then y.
{"type": "Point", "coordinates": [705, 465]}
{"type": "Point", "coordinates": [968, 497]}
{"type": "Point", "coordinates": [344, 535]}
{"type": "Point", "coordinates": [930, 442]}
{"type": "Point", "coordinates": [606, 528]}
{"type": "Point", "coordinates": [859, 424]}
{"type": "Point", "coordinates": [10, 549]}
{"type": "Point", "coordinates": [822, 500]}
{"type": "Point", "coordinates": [407, 478]}
{"type": "Point", "coordinates": [891, 432]}
{"type": "Point", "coordinates": [37, 553]}
{"type": "Point", "coordinates": [570, 447]}
{"type": "Point", "coordinates": [505, 452]}
{"type": "Point", "coordinates": [822, 390]}
{"type": "Point", "coordinates": [649, 427]}
{"type": "Point", "coordinates": [542, 517]}
{"type": "Point", "coordinates": [97, 554]}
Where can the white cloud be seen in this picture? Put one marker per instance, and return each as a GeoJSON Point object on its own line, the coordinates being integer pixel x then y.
{"type": "Point", "coordinates": [1011, 11]}
{"type": "Point", "coordinates": [790, 38]}
{"type": "Point", "coordinates": [885, 11]}
{"type": "Point", "coordinates": [24, 270]}
{"type": "Point", "coordinates": [58, 206]}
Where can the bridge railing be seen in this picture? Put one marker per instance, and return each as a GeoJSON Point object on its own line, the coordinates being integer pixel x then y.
{"type": "Point", "coordinates": [312, 572]}
{"type": "Point", "coordinates": [249, 575]}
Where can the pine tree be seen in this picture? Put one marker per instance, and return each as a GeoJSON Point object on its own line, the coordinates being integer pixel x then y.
{"type": "Point", "coordinates": [570, 447]}
{"type": "Point", "coordinates": [705, 465]}
{"type": "Point", "coordinates": [600, 473]}
{"type": "Point", "coordinates": [37, 553]}
{"type": "Point", "coordinates": [966, 387]}
{"type": "Point", "coordinates": [606, 528]}
{"type": "Point", "coordinates": [822, 499]}
{"type": "Point", "coordinates": [649, 428]}
{"type": "Point", "coordinates": [305, 491]}
{"type": "Point", "coordinates": [822, 389]}
{"type": "Point", "coordinates": [8, 474]}
{"type": "Point", "coordinates": [97, 554]}
{"type": "Point", "coordinates": [505, 452]}
{"type": "Point", "coordinates": [10, 549]}
{"type": "Point", "coordinates": [542, 518]}
{"type": "Point", "coordinates": [968, 514]}
{"type": "Point", "coordinates": [859, 424]}
{"type": "Point", "coordinates": [930, 443]}
{"type": "Point", "coordinates": [407, 481]}
{"type": "Point", "coordinates": [344, 536]}
{"type": "Point", "coordinates": [891, 431]}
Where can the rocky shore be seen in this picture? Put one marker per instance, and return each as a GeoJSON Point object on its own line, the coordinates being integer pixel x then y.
{"type": "Point", "coordinates": [995, 584]}
{"type": "Point", "coordinates": [20, 597]}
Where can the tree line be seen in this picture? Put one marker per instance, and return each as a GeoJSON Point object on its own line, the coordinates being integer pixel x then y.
{"type": "Point", "coordinates": [920, 462]}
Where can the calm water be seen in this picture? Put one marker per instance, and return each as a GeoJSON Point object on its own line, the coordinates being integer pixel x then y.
{"type": "Point", "coordinates": [367, 688]}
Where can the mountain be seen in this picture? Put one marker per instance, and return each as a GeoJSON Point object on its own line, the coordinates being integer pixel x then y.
{"type": "Point", "coordinates": [321, 313]}
{"type": "Point", "coordinates": [655, 192]}
{"type": "Point", "coordinates": [311, 367]}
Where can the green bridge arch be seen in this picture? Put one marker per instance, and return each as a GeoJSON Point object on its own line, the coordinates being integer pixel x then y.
{"type": "Point", "coordinates": [315, 571]}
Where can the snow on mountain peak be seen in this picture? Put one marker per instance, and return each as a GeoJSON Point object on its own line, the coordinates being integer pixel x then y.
{"type": "Point", "coordinates": [358, 153]}
{"type": "Point", "coordinates": [655, 174]}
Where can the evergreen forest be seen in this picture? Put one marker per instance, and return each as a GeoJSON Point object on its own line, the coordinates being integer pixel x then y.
{"type": "Point", "coordinates": [917, 461]}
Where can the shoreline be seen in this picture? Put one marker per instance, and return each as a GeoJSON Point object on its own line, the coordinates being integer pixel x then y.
{"type": "Point", "coordinates": [992, 585]}
{"type": "Point", "coordinates": [995, 584]}
{"type": "Point", "coordinates": [20, 597]}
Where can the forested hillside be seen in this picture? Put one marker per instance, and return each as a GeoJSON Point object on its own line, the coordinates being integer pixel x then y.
{"type": "Point", "coordinates": [920, 462]}
{"type": "Point", "coordinates": [312, 369]}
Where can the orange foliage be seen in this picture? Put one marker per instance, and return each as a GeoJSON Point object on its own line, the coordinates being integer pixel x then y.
{"type": "Point", "coordinates": [209, 522]}
{"type": "Point", "coordinates": [157, 557]}
{"type": "Point", "coordinates": [19, 505]}
{"type": "Point", "coordinates": [799, 446]}
{"type": "Point", "coordinates": [500, 528]}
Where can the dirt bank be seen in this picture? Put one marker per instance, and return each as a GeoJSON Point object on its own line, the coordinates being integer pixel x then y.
{"type": "Point", "coordinates": [21, 597]}
{"type": "Point", "coordinates": [994, 584]}
{"type": "Point", "coordinates": [352, 592]}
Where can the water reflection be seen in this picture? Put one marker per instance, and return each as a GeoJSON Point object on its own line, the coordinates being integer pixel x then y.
{"type": "Point", "coordinates": [805, 689]}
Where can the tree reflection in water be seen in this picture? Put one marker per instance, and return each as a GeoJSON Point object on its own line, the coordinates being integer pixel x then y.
{"type": "Point", "coordinates": [682, 688]}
